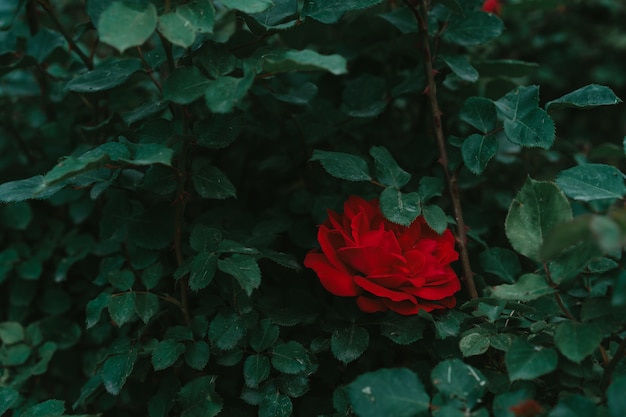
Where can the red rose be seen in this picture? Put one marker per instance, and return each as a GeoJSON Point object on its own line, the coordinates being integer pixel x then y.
{"type": "Point", "coordinates": [492, 6]}
{"type": "Point", "coordinates": [385, 265]}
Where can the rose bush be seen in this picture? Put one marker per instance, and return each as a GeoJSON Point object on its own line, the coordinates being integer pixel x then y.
{"type": "Point", "coordinates": [385, 265]}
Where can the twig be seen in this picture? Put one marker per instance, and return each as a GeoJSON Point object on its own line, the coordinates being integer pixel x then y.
{"type": "Point", "coordinates": [608, 370]}
{"type": "Point", "coordinates": [73, 45]}
{"type": "Point", "coordinates": [557, 296]}
{"type": "Point", "coordinates": [453, 188]}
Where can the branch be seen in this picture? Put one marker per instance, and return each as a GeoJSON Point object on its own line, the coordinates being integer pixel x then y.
{"type": "Point", "coordinates": [451, 180]}
{"type": "Point", "coordinates": [73, 45]}
{"type": "Point", "coordinates": [608, 371]}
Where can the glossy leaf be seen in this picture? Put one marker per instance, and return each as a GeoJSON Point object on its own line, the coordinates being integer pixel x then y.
{"type": "Point", "coordinates": [244, 269]}
{"type": "Point", "coordinates": [479, 112]}
{"type": "Point", "coordinates": [116, 370]}
{"type": "Point", "coordinates": [576, 341]}
{"type": "Point", "coordinates": [399, 207]}
{"type": "Point", "coordinates": [477, 151]}
{"type": "Point", "coordinates": [349, 343]}
{"type": "Point", "coordinates": [107, 76]}
{"type": "Point", "coordinates": [474, 344]}
{"type": "Point", "coordinates": [203, 270]}
{"type": "Point", "coordinates": [166, 353]}
{"type": "Point", "coordinates": [457, 380]}
{"type": "Point", "coordinates": [122, 307]}
{"type": "Point", "coordinates": [536, 209]}
{"type": "Point", "coordinates": [256, 369]}
{"type": "Point", "coordinates": [435, 218]}
{"type": "Point", "coordinates": [343, 165]}
{"type": "Point", "coordinates": [526, 361]}
{"type": "Point", "coordinates": [589, 96]}
{"type": "Point", "coordinates": [534, 130]}
{"type": "Point", "coordinates": [388, 172]}
{"type": "Point", "coordinates": [123, 25]}
{"type": "Point", "coordinates": [461, 67]}
{"type": "Point", "coordinates": [591, 182]}
{"type": "Point", "coordinates": [519, 102]}
{"type": "Point", "coordinates": [388, 392]}
{"type": "Point", "coordinates": [290, 357]}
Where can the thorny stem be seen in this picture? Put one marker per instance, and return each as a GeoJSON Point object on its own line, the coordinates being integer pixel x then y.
{"type": "Point", "coordinates": [608, 370]}
{"type": "Point", "coordinates": [73, 45]}
{"type": "Point", "coordinates": [451, 180]}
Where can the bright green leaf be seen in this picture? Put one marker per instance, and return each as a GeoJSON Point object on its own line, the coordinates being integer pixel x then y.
{"type": "Point", "coordinates": [343, 165]}
{"type": "Point", "coordinates": [399, 207]}
{"type": "Point", "coordinates": [124, 25]}
{"type": "Point", "coordinates": [527, 361]}
{"type": "Point", "coordinates": [536, 209]}
{"type": "Point", "coordinates": [388, 392]}
{"type": "Point", "coordinates": [349, 343]}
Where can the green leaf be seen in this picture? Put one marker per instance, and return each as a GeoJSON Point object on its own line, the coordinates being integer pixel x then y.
{"type": "Point", "coordinates": [122, 280]}
{"type": "Point", "coordinates": [282, 15]}
{"type": "Point", "coordinates": [533, 130]}
{"type": "Point", "coordinates": [199, 399]}
{"type": "Point", "coordinates": [122, 307]}
{"type": "Point", "coordinates": [203, 270]}
{"type": "Point", "coordinates": [219, 131]}
{"type": "Point", "coordinates": [226, 330]}
{"type": "Point", "coordinates": [34, 187]}
{"type": "Point", "coordinates": [330, 11]}
{"type": "Point", "coordinates": [16, 216]}
{"type": "Point", "coordinates": [536, 209]}
{"type": "Point", "coordinates": [430, 187]}
{"type": "Point", "coordinates": [11, 332]}
{"type": "Point", "coordinates": [388, 172]}
{"type": "Point", "coordinates": [576, 341]}
{"type": "Point", "coordinates": [166, 353]}
{"type": "Point", "coordinates": [8, 258]}
{"type": "Point", "coordinates": [290, 357]}
{"type": "Point", "coordinates": [349, 343]}
{"type": "Point", "coordinates": [528, 287]}
{"type": "Point", "coordinates": [146, 306]}
{"type": "Point", "coordinates": [574, 406]}
{"type": "Point", "coordinates": [263, 336]}
{"type": "Point", "coordinates": [589, 96]}
{"type": "Point", "coordinates": [244, 269]}
{"type": "Point", "coordinates": [519, 102]}
{"type": "Point", "coordinates": [402, 19]}
{"type": "Point", "coordinates": [94, 309]}
{"type": "Point", "coordinates": [204, 238]}
{"type": "Point", "coordinates": [501, 262]}
{"type": "Point", "coordinates": [589, 182]}
{"type": "Point", "coordinates": [197, 355]}
{"type": "Point", "coordinates": [473, 28]}
{"type": "Point", "coordinates": [343, 165]}
{"type": "Point", "coordinates": [256, 369]}
{"type": "Point", "coordinates": [474, 344]}
{"type": "Point", "coordinates": [275, 405]}
{"type": "Point", "coordinates": [403, 330]}
{"type": "Point", "coordinates": [225, 93]}
{"type": "Point", "coordinates": [449, 324]}
{"type": "Point", "coordinates": [615, 396]}
{"type": "Point", "coordinates": [527, 361]}
{"type": "Point", "coordinates": [364, 96]}
{"type": "Point", "coordinates": [278, 61]}
{"type": "Point", "coordinates": [388, 392]}
{"type": "Point", "coordinates": [479, 112]}
{"type": "Point", "coordinates": [247, 6]}
{"type": "Point", "coordinates": [151, 276]}
{"type": "Point", "coordinates": [49, 408]}
{"type": "Point", "coordinates": [569, 264]}
{"type": "Point", "coordinates": [398, 207]}
{"type": "Point", "coordinates": [15, 355]}
{"type": "Point", "coordinates": [457, 380]}
{"type": "Point", "coordinates": [210, 182]}
{"type": "Point", "coordinates": [116, 370]}
{"type": "Point", "coordinates": [188, 20]}
{"type": "Point", "coordinates": [185, 85]}
{"type": "Point", "coordinates": [124, 25]}
{"type": "Point", "coordinates": [461, 67]}
{"type": "Point", "coordinates": [435, 218]}
{"type": "Point", "coordinates": [477, 151]}
{"type": "Point", "coordinates": [505, 68]}
{"type": "Point", "coordinates": [8, 398]}
{"type": "Point", "coordinates": [106, 76]}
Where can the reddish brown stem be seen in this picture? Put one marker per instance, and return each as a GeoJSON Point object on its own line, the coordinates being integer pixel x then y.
{"type": "Point", "coordinates": [451, 180]}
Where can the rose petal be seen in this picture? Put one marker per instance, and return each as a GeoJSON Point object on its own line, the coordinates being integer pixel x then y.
{"type": "Point", "coordinates": [335, 281]}
{"type": "Point", "coordinates": [380, 291]}
{"type": "Point", "coordinates": [370, 305]}
{"type": "Point", "coordinates": [384, 238]}
{"type": "Point", "coordinates": [370, 260]}
{"type": "Point", "coordinates": [330, 242]}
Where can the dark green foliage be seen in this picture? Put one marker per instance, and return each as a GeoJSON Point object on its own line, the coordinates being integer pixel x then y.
{"type": "Point", "coordinates": [164, 166]}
